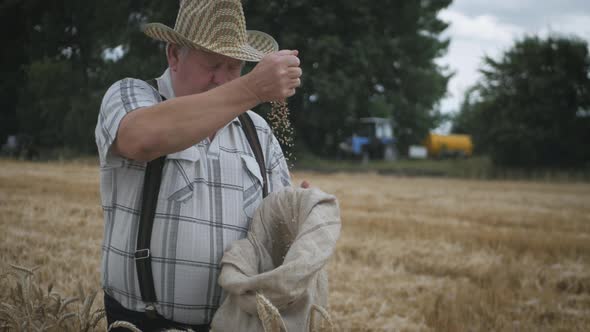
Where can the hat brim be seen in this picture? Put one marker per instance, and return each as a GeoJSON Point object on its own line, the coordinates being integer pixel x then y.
{"type": "Point", "coordinates": [258, 45]}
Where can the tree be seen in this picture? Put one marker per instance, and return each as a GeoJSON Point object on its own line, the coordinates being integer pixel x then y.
{"type": "Point", "coordinates": [356, 56]}
{"type": "Point", "coordinates": [359, 59]}
{"type": "Point", "coordinates": [532, 105]}
{"type": "Point", "coordinates": [56, 81]}
{"type": "Point", "coordinates": [468, 120]}
{"type": "Point", "coordinates": [13, 30]}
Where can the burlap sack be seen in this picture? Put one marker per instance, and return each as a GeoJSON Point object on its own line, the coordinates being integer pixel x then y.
{"type": "Point", "coordinates": [291, 238]}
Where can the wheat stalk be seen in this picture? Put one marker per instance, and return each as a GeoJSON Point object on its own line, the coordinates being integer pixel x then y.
{"type": "Point", "coordinates": [269, 315]}
{"type": "Point", "coordinates": [27, 306]}
{"type": "Point", "coordinates": [132, 327]}
{"type": "Point", "coordinates": [125, 325]}
{"type": "Point", "coordinates": [316, 309]}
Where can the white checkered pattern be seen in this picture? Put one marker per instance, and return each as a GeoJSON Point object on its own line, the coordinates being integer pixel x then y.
{"type": "Point", "coordinates": [207, 198]}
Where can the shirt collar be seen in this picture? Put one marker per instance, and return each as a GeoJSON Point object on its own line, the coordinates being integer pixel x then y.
{"type": "Point", "coordinates": [165, 85]}
{"type": "Point", "coordinates": [165, 89]}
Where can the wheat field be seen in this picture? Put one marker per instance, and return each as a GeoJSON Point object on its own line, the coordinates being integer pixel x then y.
{"type": "Point", "coordinates": [415, 254]}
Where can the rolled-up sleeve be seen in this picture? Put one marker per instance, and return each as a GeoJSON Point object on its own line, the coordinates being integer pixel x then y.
{"type": "Point", "coordinates": [121, 98]}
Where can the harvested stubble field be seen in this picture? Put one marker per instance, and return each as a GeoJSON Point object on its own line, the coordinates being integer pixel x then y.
{"type": "Point", "coordinates": [415, 254]}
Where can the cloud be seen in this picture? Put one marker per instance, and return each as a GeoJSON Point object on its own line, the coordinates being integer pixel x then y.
{"type": "Point", "coordinates": [472, 37]}
{"type": "Point", "coordinates": [495, 6]}
{"type": "Point", "coordinates": [482, 27]}
{"type": "Point", "coordinates": [113, 54]}
{"type": "Point", "coordinates": [525, 13]}
{"type": "Point", "coordinates": [569, 24]}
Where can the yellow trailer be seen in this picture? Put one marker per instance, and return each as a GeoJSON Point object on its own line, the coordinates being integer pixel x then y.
{"type": "Point", "coordinates": [448, 145]}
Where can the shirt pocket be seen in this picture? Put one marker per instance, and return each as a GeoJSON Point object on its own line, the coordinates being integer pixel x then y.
{"type": "Point", "coordinates": [252, 185]}
{"type": "Point", "coordinates": [180, 173]}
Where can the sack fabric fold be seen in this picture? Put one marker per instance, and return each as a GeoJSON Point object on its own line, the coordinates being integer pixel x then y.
{"type": "Point", "coordinates": [283, 257]}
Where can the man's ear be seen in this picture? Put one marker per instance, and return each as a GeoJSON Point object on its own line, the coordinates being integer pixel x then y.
{"type": "Point", "coordinates": [173, 56]}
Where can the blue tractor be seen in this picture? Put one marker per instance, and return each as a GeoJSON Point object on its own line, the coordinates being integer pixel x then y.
{"type": "Point", "coordinates": [372, 139]}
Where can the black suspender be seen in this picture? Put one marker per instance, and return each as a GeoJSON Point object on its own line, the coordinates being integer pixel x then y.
{"type": "Point", "coordinates": [151, 188]}
{"type": "Point", "coordinates": [143, 262]}
{"type": "Point", "coordinates": [149, 201]}
{"type": "Point", "coordinates": [252, 137]}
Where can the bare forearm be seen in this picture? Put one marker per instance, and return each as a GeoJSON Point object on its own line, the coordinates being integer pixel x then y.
{"type": "Point", "coordinates": [175, 125]}
{"type": "Point", "coordinates": [178, 123]}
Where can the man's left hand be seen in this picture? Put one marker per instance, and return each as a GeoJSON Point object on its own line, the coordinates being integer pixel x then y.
{"type": "Point", "coordinates": [305, 185]}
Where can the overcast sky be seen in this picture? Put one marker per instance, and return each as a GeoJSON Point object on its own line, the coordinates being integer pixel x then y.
{"type": "Point", "coordinates": [481, 27]}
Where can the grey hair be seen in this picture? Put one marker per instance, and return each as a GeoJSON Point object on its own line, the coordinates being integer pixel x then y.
{"type": "Point", "coordinates": [183, 50]}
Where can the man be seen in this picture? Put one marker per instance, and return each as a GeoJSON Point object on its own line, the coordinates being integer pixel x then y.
{"type": "Point", "coordinates": [211, 183]}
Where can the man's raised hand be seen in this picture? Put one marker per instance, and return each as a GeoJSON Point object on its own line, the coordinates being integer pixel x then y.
{"type": "Point", "coordinates": [275, 77]}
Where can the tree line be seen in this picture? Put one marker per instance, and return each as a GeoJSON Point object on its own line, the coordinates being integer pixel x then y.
{"type": "Point", "coordinates": [532, 106]}
{"type": "Point", "coordinates": [359, 59]}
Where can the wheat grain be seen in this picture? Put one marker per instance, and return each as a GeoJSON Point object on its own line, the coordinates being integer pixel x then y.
{"type": "Point", "coordinates": [492, 252]}
{"type": "Point", "coordinates": [125, 325]}
{"type": "Point", "coordinates": [325, 317]}
{"type": "Point", "coordinates": [282, 129]}
{"type": "Point", "coordinates": [30, 307]}
{"type": "Point", "coordinates": [269, 315]}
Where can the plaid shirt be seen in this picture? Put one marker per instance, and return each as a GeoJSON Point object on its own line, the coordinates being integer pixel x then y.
{"type": "Point", "coordinates": [207, 198]}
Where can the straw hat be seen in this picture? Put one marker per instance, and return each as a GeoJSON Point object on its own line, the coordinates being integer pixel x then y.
{"type": "Point", "coordinates": [218, 26]}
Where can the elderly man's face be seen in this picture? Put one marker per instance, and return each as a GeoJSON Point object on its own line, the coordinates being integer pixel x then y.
{"type": "Point", "coordinates": [196, 71]}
